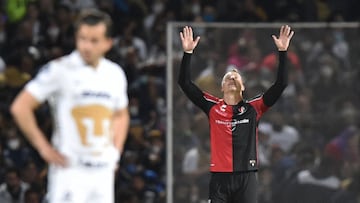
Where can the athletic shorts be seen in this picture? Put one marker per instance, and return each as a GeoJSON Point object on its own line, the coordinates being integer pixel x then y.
{"type": "Point", "coordinates": [81, 184]}
{"type": "Point", "coordinates": [238, 187]}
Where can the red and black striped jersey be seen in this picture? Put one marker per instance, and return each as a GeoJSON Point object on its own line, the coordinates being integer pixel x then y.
{"type": "Point", "coordinates": [233, 128]}
{"type": "Point", "coordinates": [233, 133]}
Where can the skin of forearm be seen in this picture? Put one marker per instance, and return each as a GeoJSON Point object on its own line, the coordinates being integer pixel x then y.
{"type": "Point", "coordinates": [25, 118]}
{"type": "Point", "coordinates": [120, 128]}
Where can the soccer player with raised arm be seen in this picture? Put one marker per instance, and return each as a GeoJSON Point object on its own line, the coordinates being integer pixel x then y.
{"type": "Point", "coordinates": [233, 122]}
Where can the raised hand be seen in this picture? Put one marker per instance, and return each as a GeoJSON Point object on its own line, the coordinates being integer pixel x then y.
{"type": "Point", "coordinates": [282, 42]}
{"type": "Point", "coordinates": [187, 40]}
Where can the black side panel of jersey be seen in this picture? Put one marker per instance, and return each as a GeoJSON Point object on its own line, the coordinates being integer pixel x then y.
{"type": "Point", "coordinates": [244, 139]}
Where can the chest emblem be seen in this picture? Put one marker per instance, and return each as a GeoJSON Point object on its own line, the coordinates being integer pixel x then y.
{"type": "Point", "coordinates": [223, 108]}
{"type": "Point", "coordinates": [241, 110]}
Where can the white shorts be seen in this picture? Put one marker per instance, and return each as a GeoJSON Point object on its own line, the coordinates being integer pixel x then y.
{"type": "Point", "coordinates": [81, 184]}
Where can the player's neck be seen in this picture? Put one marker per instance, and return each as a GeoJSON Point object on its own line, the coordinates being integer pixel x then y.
{"type": "Point", "coordinates": [232, 98]}
{"type": "Point", "coordinates": [94, 64]}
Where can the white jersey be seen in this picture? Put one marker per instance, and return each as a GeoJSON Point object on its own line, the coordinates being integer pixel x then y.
{"type": "Point", "coordinates": [83, 100]}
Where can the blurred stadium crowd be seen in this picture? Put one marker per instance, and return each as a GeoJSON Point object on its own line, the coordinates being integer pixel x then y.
{"type": "Point", "coordinates": [311, 138]}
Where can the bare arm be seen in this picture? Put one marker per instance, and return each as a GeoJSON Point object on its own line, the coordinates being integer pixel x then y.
{"type": "Point", "coordinates": [120, 127]}
{"type": "Point", "coordinates": [22, 110]}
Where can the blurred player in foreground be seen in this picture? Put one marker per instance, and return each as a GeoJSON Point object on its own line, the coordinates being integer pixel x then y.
{"type": "Point", "coordinates": [233, 123]}
{"type": "Point", "coordinates": [88, 97]}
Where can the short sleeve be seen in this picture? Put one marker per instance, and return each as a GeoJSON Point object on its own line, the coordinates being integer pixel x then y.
{"type": "Point", "coordinates": [45, 83]}
{"type": "Point", "coordinates": [122, 99]}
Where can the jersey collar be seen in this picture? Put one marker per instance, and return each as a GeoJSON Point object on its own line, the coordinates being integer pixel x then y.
{"type": "Point", "coordinates": [77, 59]}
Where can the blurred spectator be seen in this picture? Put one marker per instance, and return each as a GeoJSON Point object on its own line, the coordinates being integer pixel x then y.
{"type": "Point", "coordinates": [32, 196]}
{"type": "Point", "coordinates": [265, 188]}
{"type": "Point", "coordinates": [195, 167]}
{"type": "Point", "coordinates": [128, 40]}
{"type": "Point", "coordinates": [345, 148]}
{"type": "Point", "coordinates": [16, 10]}
{"type": "Point", "coordinates": [78, 5]}
{"type": "Point", "coordinates": [157, 8]}
{"type": "Point", "coordinates": [208, 79]}
{"type": "Point", "coordinates": [350, 190]}
{"type": "Point", "coordinates": [60, 31]}
{"type": "Point", "coordinates": [303, 157]}
{"type": "Point", "coordinates": [270, 61]}
{"type": "Point", "coordinates": [13, 78]}
{"type": "Point", "coordinates": [2, 164]}
{"type": "Point", "coordinates": [32, 16]}
{"type": "Point", "coordinates": [15, 153]}
{"type": "Point", "coordinates": [2, 66]}
{"type": "Point", "coordinates": [238, 53]}
{"type": "Point", "coordinates": [341, 147]}
{"type": "Point", "coordinates": [322, 183]}
{"type": "Point", "coordinates": [31, 175]}
{"type": "Point", "coordinates": [148, 89]}
{"type": "Point", "coordinates": [142, 191]}
{"type": "Point", "coordinates": [303, 116]}
{"type": "Point", "coordinates": [250, 12]}
{"type": "Point", "coordinates": [280, 133]}
{"type": "Point", "coordinates": [155, 152]}
{"type": "Point", "coordinates": [46, 8]}
{"type": "Point", "coordinates": [13, 189]}
{"type": "Point", "coordinates": [128, 196]}
{"type": "Point", "coordinates": [3, 36]}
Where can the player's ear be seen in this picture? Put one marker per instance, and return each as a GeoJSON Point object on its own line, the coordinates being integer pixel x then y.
{"type": "Point", "coordinates": [109, 43]}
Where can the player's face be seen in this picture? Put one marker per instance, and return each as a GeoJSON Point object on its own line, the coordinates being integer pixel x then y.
{"type": "Point", "coordinates": [92, 42]}
{"type": "Point", "coordinates": [232, 82]}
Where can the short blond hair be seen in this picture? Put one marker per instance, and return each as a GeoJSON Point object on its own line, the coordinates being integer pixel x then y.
{"type": "Point", "coordinates": [233, 70]}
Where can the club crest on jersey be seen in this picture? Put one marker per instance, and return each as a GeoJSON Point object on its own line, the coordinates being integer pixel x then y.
{"type": "Point", "coordinates": [223, 107]}
{"type": "Point", "coordinates": [241, 110]}
{"type": "Point", "coordinates": [252, 162]}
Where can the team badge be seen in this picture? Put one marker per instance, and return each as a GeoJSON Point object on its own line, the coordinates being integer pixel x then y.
{"type": "Point", "coordinates": [241, 110]}
{"type": "Point", "coordinates": [223, 107]}
{"type": "Point", "coordinates": [252, 162]}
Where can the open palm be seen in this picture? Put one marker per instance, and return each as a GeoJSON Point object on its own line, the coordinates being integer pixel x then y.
{"type": "Point", "coordinates": [282, 42]}
{"type": "Point", "coordinates": [187, 40]}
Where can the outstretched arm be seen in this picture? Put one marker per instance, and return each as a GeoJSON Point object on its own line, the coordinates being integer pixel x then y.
{"type": "Point", "coordinates": [282, 43]}
{"type": "Point", "coordinates": [188, 45]}
{"type": "Point", "coordinates": [184, 81]}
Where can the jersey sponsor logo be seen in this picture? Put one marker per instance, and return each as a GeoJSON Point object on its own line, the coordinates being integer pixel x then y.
{"type": "Point", "coordinates": [246, 120]}
{"type": "Point", "coordinates": [232, 123]}
{"type": "Point", "coordinates": [95, 94]}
